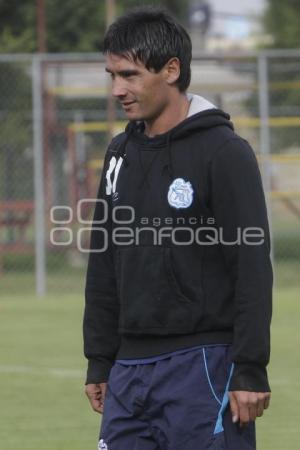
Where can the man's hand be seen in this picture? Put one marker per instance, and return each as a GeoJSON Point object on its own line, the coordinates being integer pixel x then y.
{"type": "Point", "coordinates": [246, 406]}
{"type": "Point", "coordinates": [96, 396]}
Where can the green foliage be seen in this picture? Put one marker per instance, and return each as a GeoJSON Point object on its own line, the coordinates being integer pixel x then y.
{"type": "Point", "coordinates": [178, 8]}
{"type": "Point", "coordinates": [282, 22]}
{"type": "Point", "coordinates": [72, 26]}
{"type": "Point", "coordinates": [17, 26]}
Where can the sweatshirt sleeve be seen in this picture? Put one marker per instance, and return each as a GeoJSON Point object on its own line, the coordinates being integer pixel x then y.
{"type": "Point", "coordinates": [238, 203]}
{"type": "Point", "coordinates": [100, 322]}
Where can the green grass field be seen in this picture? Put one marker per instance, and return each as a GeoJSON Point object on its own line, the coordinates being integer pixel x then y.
{"type": "Point", "coordinates": [43, 406]}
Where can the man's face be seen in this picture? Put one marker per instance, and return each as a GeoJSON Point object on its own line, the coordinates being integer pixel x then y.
{"type": "Point", "coordinates": [142, 93]}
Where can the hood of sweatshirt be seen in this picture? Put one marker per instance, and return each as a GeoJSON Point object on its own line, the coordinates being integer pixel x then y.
{"type": "Point", "coordinates": [202, 115]}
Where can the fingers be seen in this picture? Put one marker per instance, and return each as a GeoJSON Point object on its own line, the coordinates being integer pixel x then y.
{"type": "Point", "coordinates": [239, 407]}
{"type": "Point", "coordinates": [234, 407]}
{"type": "Point", "coordinates": [94, 394]}
{"type": "Point", "coordinates": [263, 402]}
{"type": "Point", "coordinates": [102, 399]}
{"type": "Point", "coordinates": [244, 407]}
{"type": "Point", "coordinates": [253, 403]}
{"type": "Point", "coordinates": [267, 400]}
{"type": "Point", "coordinates": [260, 407]}
{"type": "Point", "coordinates": [247, 406]}
{"type": "Point", "coordinates": [96, 405]}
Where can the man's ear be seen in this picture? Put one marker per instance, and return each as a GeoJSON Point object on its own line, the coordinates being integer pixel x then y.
{"type": "Point", "coordinates": [172, 70]}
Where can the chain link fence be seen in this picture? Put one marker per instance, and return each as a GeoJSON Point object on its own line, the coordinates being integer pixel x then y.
{"type": "Point", "coordinates": [56, 121]}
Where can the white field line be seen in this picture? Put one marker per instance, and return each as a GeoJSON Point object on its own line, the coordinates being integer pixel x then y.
{"type": "Point", "coordinates": [43, 371]}
{"type": "Point", "coordinates": [61, 372]}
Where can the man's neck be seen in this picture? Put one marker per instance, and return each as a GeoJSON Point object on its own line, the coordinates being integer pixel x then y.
{"type": "Point", "coordinates": [172, 115]}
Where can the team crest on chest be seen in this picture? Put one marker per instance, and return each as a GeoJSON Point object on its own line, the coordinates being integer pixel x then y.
{"type": "Point", "coordinates": [180, 194]}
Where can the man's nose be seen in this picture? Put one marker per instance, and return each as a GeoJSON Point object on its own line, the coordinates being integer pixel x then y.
{"type": "Point", "coordinates": [118, 88]}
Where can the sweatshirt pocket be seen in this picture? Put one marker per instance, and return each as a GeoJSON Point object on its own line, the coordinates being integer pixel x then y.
{"type": "Point", "coordinates": [152, 300]}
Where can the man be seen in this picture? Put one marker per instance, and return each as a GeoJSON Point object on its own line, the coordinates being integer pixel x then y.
{"type": "Point", "coordinates": [179, 279]}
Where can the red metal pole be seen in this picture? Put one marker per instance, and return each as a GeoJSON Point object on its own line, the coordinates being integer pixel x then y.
{"type": "Point", "coordinates": [110, 105]}
{"type": "Point", "coordinates": [41, 26]}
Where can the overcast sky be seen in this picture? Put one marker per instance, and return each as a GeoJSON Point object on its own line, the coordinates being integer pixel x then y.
{"type": "Point", "coordinates": [236, 27]}
{"type": "Point", "coordinates": [238, 6]}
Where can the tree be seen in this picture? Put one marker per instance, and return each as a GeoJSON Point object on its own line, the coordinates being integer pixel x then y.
{"type": "Point", "coordinates": [179, 8]}
{"type": "Point", "coordinates": [72, 25]}
{"type": "Point", "coordinates": [282, 22]}
{"type": "Point", "coordinates": [17, 25]}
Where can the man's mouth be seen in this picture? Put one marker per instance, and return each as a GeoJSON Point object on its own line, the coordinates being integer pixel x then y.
{"type": "Point", "coordinates": [127, 104]}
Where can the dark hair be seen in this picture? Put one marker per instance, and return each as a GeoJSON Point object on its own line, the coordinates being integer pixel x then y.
{"type": "Point", "coordinates": [151, 36]}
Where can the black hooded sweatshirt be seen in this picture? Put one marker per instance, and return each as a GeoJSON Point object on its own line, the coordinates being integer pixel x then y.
{"type": "Point", "coordinates": [180, 250]}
